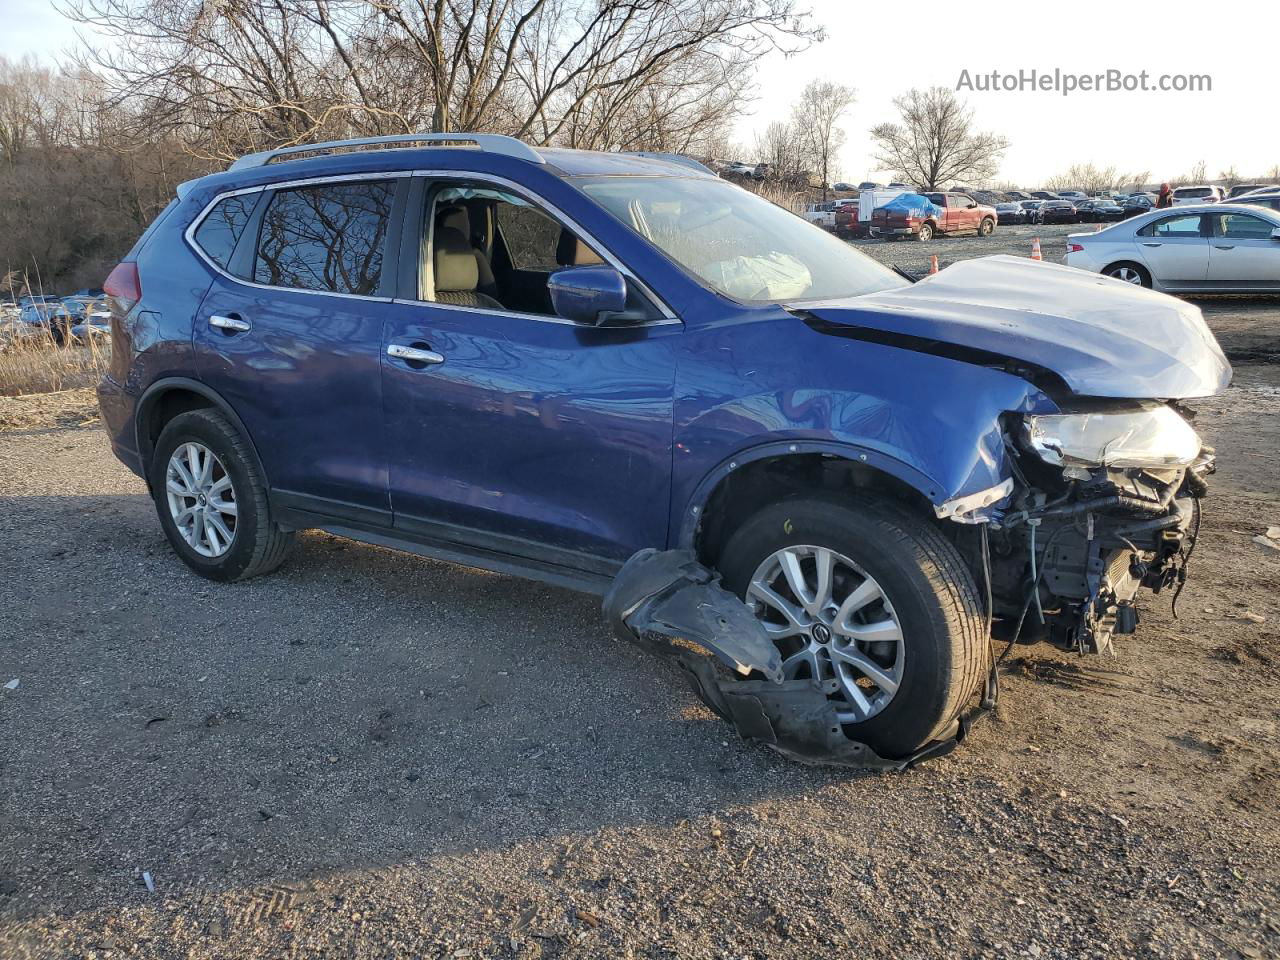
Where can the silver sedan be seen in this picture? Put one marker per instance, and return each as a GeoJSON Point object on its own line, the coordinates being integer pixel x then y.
{"type": "Point", "coordinates": [1206, 248]}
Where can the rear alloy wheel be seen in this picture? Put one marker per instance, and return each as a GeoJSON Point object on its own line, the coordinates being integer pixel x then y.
{"type": "Point", "coordinates": [202, 499]}
{"type": "Point", "coordinates": [873, 603]}
{"type": "Point", "coordinates": [1129, 273]}
{"type": "Point", "coordinates": [212, 499]}
{"type": "Point", "coordinates": [925, 233]}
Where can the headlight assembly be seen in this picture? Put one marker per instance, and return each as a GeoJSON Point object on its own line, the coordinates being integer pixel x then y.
{"type": "Point", "coordinates": [1149, 436]}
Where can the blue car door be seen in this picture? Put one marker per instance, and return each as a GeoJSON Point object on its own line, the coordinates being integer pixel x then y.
{"type": "Point", "coordinates": [290, 334]}
{"type": "Point", "coordinates": [522, 433]}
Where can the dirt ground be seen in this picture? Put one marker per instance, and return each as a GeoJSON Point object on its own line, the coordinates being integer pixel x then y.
{"type": "Point", "coordinates": [372, 755]}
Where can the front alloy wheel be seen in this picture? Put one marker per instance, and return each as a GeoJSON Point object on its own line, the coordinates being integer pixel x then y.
{"type": "Point", "coordinates": [869, 600]}
{"type": "Point", "coordinates": [202, 499]}
{"type": "Point", "coordinates": [831, 620]}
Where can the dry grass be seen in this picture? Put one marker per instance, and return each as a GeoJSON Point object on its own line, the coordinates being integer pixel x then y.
{"type": "Point", "coordinates": [35, 364]}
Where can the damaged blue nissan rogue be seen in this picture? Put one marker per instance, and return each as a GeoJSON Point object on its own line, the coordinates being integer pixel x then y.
{"type": "Point", "coordinates": [821, 485]}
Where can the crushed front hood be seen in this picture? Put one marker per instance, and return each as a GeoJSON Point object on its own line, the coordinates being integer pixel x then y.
{"type": "Point", "coordinates": [1102, 337]}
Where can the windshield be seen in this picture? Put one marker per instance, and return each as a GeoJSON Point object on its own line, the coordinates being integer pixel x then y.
{"type": "Point", "coordinates": [737, 243]}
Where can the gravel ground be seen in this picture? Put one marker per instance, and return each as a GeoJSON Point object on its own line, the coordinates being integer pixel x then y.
{"type": "Point", "coordinates": [374, 755]}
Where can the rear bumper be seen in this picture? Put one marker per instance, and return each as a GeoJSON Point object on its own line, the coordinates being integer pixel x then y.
{"type": "Point", "coordinates": [896, 231]}
{"type": "Point", "coordinates": [118, 407]}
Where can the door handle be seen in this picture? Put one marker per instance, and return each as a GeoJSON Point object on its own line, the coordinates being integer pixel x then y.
{"type": "Point", "coordinates": [1228, 246]}
{"type": "Point", "coordinates": [231, 324]}
{"type": "Point", "coordinates": [1153, 244]}
{"type": "Point", "coordinates": [414, 355]}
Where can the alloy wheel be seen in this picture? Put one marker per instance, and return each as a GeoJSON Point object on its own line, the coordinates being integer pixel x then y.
{"type": "Point", "coordinates": [202, 499]}
{"type": "Point", "coordinates": [831, 621]}
{"type": "Point", "coordinates": [1128, 275]}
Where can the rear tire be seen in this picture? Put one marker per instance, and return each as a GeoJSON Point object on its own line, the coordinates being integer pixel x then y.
{"type": "Point", "coordinates": [230, 499]}
{"type": "Point", "coordinates": [925, 233]}
{"type": "Point", "coordinates": [924, 585]}
{"type": "Point", "coordinates": [1130, 272]}
{"type": "Point", "coordinates": [986, 228]}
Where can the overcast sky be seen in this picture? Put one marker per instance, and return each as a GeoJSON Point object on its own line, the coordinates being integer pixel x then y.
{"type": "Point", "coordinates": [931, 41]}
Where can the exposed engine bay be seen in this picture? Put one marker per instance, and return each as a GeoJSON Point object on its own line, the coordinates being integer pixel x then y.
{"type": "Point", "coordinates": [1083, 530]}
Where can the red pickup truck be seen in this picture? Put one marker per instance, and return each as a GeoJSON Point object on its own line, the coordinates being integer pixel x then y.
{"type": "Point", "coordinates": [847, 219]}
{"type": "Point", "coordinates": [960, 214]}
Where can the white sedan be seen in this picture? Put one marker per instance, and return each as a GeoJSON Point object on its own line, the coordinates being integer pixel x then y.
{"type": "Point", "coordinates": [1219, 247]}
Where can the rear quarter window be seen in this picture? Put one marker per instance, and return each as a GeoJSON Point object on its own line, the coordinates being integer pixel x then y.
{"type": "Point", "coordinates": [221, 228]}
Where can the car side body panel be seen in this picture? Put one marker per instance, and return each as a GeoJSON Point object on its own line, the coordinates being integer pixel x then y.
{"type": "Point", "coordinates": [808, 391]}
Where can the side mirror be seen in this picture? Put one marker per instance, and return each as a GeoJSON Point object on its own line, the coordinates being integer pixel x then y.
{"type": "Point", "coordinates": [587, 294]}
{"type": "Point", "coordinates": [1275, 234]}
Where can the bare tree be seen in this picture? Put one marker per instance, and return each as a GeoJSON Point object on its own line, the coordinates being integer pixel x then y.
{"type": "Point", "coordinates": [781, 146]}
{"type": "Point", "coordinates": [1091, 179]}
{"type": "Point", "coordinates": [1197, 175]}
{"type": "Point", "coordinates": [816, 117]}
{"type": "Point", "coordinates": [1230, 176]}
{"type": "Point", "coordinates": [935, 142]}
{"type": "Point", "coordinates": [242, 74]}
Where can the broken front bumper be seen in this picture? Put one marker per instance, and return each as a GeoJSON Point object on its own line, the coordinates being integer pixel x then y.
{"type": "Point", "coordinates": [672, 605]}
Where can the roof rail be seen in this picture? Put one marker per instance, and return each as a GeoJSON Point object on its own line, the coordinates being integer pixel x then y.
{"type": "Point", "coordinates": [489, 142]}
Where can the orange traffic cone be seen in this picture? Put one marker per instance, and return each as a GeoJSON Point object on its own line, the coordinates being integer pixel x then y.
{"type": "Point", "coordinates": [1035, 249]}
{"type": "Point", "coordinates": [933, 264]}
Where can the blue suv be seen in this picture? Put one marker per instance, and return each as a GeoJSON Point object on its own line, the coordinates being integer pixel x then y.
{"type": "Point", "coordinates": [622, 374]}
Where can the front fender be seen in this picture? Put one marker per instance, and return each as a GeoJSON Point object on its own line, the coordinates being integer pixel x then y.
{"type": "Point", "coordinates": [931, 421]}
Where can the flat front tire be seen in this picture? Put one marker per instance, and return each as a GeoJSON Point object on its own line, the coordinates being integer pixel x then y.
{"type": "Point", "coordinates": [872, 600]}
{"type": "Point", "coordinates": [212, 499]}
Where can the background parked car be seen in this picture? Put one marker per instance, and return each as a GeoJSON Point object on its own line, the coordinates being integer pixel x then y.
{"type": "Point", "coordinates": [847, 220]}
{"type": "Point", "coordinates": [1058, 211]}
{"type": "Point", "coordinates": [951, 213]}
{"type": "Point", "coordinates": [1099, 210]}
{"type": "Point", "coordinates": [1240, 189]}
{"type": "Point", "coordinates": [1010, 213]}
{"type": "Point", "coordinates": [1137, 204]}
{"type": "Point", "coordinates": [821, 215]}
{"type": "Point", "coordinates": [1209, 247]}
{"type": "Point", "coordinates": [1032, 209]}
{"type": "Point", "coordinates": [842, 187]}
{"type": "Point", "coordinates": [1269, 200]}
{"type": "Point", "coordinates": [1204, 193]}
{"type": "Point", "coordinates": [36, 309]}
{"type": "Point", "coordinates": [1075, 196]}
{"type": "Point", "coordinates": [1043, 195]}
{"type": "Point", "coordinates": [1017, 195]}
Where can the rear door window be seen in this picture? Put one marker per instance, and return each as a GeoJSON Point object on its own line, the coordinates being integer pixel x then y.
{"type": "Point", "coordinates": [1241, 226]}
{"type": "Point", "coordinates": [329, 237]}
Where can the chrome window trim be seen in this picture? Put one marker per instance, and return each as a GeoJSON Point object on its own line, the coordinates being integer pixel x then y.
{"type": "Point", "coordinates": [489, 311]}
{"type": "Point", "coordinates": [669, 316]}
{"type": "Point", "coordinates": [190, 233]}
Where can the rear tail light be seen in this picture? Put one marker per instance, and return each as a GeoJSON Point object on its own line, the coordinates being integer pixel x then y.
{"type": "Point", "coordinates": [124, 286]}
{"type": "Point", "coordinates": [1074, 248]}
